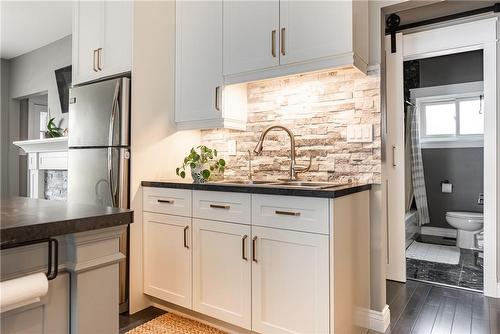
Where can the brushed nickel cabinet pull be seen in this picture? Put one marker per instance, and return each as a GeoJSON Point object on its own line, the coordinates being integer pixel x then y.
{"type": "Point", "coordinates": [219, 206]}
{"type": "Point", "coordinates": [393, 156]}
{"type": "Point", "coordinates": [217, 94]}
{"type": "Point", "coordinates": [254, 251]}
{"type": "Point", "coordinates": [287, 213]}
{"type": "Point", "coordinates": [99, 59]}
{"type": "Point", "coordinates": [283, 41]}
{"type": "Point", "coordinates": [243, 248]}
{"type": "Point", "coordinates": [273, 43]}
{"type": "Point", "coordinates": [93, 61]}
{"type": "Point", "coordinates": [168, 201]}
{"type": "Point", "coordinates": [185, 237]}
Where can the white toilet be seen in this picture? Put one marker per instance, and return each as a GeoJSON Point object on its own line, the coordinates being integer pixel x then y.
{"type": "Point", "coordinates": [467, 225]}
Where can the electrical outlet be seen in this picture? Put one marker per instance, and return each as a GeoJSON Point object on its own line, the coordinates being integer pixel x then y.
{"type": "Point", "coordinates": [231, 147]}
{"type": "Point", "coordinates": [360, 133]}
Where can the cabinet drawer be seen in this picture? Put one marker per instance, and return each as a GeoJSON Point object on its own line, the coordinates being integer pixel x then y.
{"type": "Point", "coordinates": [289, 212]}
{"type": "Point", "coordinates": [216, 205]}
{"type": "Point", "coordinates": [169, 201]}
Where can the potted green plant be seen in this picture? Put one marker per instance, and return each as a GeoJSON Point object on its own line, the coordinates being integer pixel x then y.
{"type": "Point", "coordinates": [203, 163]}
{"type": "Point", "coordinates": [53, 130]}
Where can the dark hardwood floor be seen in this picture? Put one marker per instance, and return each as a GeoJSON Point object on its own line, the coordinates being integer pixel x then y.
{"type": "Point", "coordinates": [423, 308]}
{"type": "Point", "coordinates": [127, 322]}
{"type": "Point", "coordinates": [416, 307]}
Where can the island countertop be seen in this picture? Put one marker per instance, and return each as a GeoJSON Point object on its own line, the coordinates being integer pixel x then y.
{"type": "Point", "coordinates": [25, 219]}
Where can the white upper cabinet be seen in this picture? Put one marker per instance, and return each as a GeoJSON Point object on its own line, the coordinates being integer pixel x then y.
{"type": "Point", "coordinates": [251, 38]}
{"type": "Point", "coordinates": [102, 39]}
{"type": "Point", "coordinates": [306, 29]}
{"type": "Point", "coordinates": [201, 100]}
{"type": "Point", "coordinates": [292, 37]}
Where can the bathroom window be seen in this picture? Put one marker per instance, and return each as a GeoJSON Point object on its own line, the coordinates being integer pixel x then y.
{"type": "Point", "coordinates": [455, 119]}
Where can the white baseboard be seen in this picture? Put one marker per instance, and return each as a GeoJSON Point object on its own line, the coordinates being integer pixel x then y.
{"type": "Point", "coordinates": [377, 321]}
{"type": "Point", "coordinates": [439, 231]}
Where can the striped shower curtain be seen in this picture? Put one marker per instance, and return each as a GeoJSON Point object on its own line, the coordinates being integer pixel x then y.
{"type": "Point", "coordinates": [417, 168]}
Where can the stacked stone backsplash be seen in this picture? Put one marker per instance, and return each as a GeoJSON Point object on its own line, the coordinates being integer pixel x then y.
{"type": "Point", "coordinates": [317, 107]}
{"type": "Point", "coordinates": [56, 185]}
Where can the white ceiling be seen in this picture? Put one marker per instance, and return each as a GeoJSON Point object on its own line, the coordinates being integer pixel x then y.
{"type": "Point", "coordinates": [29, 25]}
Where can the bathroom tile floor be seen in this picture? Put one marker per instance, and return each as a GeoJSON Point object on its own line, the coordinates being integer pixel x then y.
{"type": "Point", "coordinates": [467, 274]}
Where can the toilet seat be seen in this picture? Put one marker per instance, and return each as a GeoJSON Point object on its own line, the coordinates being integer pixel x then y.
{"type": "Point", "coordinates": [462, 214]}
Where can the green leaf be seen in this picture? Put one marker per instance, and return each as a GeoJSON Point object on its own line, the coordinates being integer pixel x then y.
{"type": "Point", "coordinates": [222, 162]}
{"type": "Point", "coordinates": [192, 165]}
{"type": "Point", "coordinates": [177, 170]}
{"type": "Point", "coordinates": [205, 174]}
{"type": "Point", "coordinates": [183, 174]}
{"type": "Point", "coordinates": [215, 152]}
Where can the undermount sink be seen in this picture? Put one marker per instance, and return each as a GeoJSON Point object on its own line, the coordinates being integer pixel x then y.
{"type": "Point", "coordinates": [309, 184]}
{"type": "Point", "coordinates": [295, 184]}
{"type": "Point", "coordinates": [245, 182]}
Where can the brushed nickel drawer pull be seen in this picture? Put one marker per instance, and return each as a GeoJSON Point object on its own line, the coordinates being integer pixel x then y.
{"type": "Point", "coordinates": [217, 97]}
{"type": "Point", "coordinates": [287, 213]}
{"type": "Point", "coordinates": [99, 59]}
{"type": "Point", "coordinates": [394, 156]}
{"type": "Point", "coordinates": [273, 43]}
{"type": "Point", "coordinates": [168, 201]}
{"type": "Point", "coordinates": [243, 248]}
{"type": "Point", "coordinates": [283, 41]}
{"type": "Point", "coordinates": [185, 237]}
{"type": "Point", "coordinates": [93, 61]}
{"type": "Point", "coordinates": [254, 251]}
{"type": "Point", "coordinates": [218, 206]}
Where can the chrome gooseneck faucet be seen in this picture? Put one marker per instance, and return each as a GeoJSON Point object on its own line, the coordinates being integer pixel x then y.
{"type": "Point", "coordinates": [294, 169]}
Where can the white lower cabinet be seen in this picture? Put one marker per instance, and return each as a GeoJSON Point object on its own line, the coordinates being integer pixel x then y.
{"type": "Point", "coordinates": [168, 258]}
{"type": "Point", "coordinates": [290, 281]}
{"type": "Point", "coordinates": [222, 271]}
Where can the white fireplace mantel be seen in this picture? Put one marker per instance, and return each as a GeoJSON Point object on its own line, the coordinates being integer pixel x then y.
{"type": "Point", "coordinates": [43, 154]}
{"type": "Point", "coordinates": [43, 145]}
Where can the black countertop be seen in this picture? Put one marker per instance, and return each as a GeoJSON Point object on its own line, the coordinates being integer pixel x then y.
{"type": "Point", "coordinates": [26, 219]}
{"type": "Point", "coordinates": [332, 192]}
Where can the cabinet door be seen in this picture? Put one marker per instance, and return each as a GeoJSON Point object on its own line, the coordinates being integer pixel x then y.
{"type": "Point", "coordinates": [314, 29]}
{"type": "Point", "coordinates": [198, 60]}
{"type": "Point", "coordinates": [249, 27]}
{"type": "Point", "coordinates": [222, 271]}
{"type": "Point", "coordinates": [116, 53]}
{"type": "Point", "coordinates": [290, 282]}
{"type": "Point", "coordinates": [167, 258]}
{"type": "Point", "coordinates": [87, 35]}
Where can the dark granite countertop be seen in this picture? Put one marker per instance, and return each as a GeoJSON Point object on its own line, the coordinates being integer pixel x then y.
{"type": "Point", "coordinates": [332, 192]}
{"type": "Point", "coordinates": [27, 219]}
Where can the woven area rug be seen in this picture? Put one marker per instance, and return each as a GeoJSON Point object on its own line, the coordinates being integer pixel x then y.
{"type": "Point", "coordinates": [433, 253]}
{"type": "Point", "coordinates": [169, 323]}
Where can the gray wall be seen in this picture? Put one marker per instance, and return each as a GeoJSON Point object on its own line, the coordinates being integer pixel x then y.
{"type": "Point", "coordinates": [463, 167]}
{"type": "Point", "coordinates": [4, 126]}
{"type": "Point", "coordinates": [33, 73]}
{"type": "Point", "coordinates": [451, 69]}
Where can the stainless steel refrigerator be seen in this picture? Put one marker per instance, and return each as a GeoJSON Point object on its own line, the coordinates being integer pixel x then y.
{"type": "Point", "coordinates": [99, 151]}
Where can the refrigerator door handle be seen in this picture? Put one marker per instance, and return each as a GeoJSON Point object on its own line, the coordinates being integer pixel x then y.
{"type": "Point", "coordinates": [112, 185]}
{"type": "Point", "coordinates": [115, 105]}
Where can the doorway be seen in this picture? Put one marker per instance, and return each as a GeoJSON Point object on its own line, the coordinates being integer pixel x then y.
{"type": "Point", "coordinates": [478, 37]}
{"type": "Point", "coordinates": [444, 164]}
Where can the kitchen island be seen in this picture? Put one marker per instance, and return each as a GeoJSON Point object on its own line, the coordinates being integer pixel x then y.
{"type": "Point", "coordinates": [76, 246]}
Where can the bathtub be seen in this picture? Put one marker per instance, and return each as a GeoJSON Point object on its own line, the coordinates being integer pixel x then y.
{"type": "Point", "coordinates": [411, 226]}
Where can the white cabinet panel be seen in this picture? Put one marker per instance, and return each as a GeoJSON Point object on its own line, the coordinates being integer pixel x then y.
{"type": "Point", "coordinates": [167, 258]}
{"type": "Point", "coordinates": [217, 205]}
{"type": "Point", "coordinates": [198, 60]}
{"type": "Point", "coordinates": [314, 29]}
{"type": "Point", "coordinates": [116, 54]}
{"type": "Point", "coordinates": [222, 271]}
{"type": "Point", "coordinates": [102, 39]}
{"type": "Point", "coordinates": [304, 214]}
{"type": "Point", "coordinates": [248, 35]}
{"type": "Point", "coordinates": [88, 19]}
{"type": "Point", "coordinates": [167, 200]}
{"type": "Point", "coordinates": [290, 282]}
